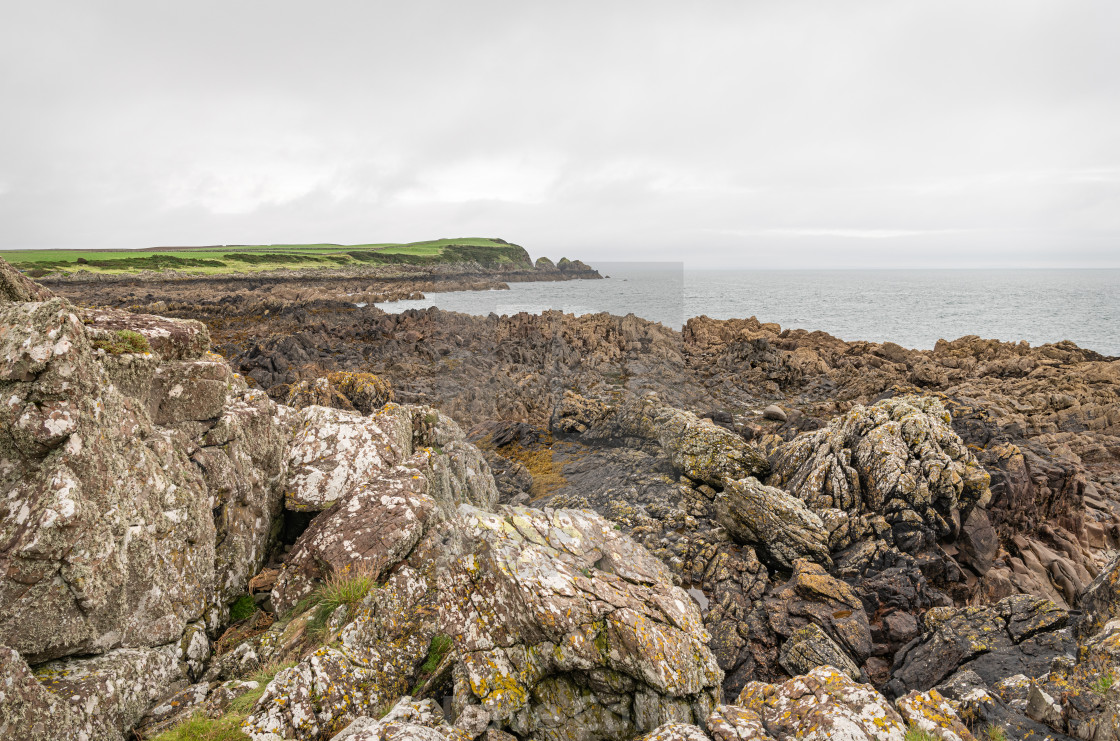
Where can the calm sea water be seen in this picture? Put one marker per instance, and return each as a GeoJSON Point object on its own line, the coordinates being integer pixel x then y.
{"type": "Point", "coordinates": [913, 308]}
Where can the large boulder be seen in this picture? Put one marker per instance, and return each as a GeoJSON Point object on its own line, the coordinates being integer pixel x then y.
{"type": "Point", "coordinates": [568, 629]}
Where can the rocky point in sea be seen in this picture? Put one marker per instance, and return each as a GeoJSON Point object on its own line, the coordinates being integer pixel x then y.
{"type": "Point", "coordinates": [352, 525]}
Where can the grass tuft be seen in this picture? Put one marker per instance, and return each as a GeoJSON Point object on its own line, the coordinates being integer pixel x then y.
{"type": "Point", "coordinates": [913, 733]}
{"type": "Point", "coordinates": [437, 649]}
{"type": "Point", "coordinates": [1103, 683]}
{"type": "Point", "coordinates": [200, 728]}
{"type": "Point", "coordinates": [122, 341]}
{"type": "Point", "coordinates": [245, 703]}
{"type": "Point", "coordinates": [992, 732]}
{"type": "Point", "coordinates": [346, 587]}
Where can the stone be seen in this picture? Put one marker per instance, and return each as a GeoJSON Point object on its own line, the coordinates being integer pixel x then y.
{"type": "Point", "coordinates": [733, 723]}
{"type": "Point", "coordinates": [15, 287]}
{"type": "Point", "coordinates": [774, 412]}
{"type": "Point", "coordinates": [899, 458]}
{"type": "Point", "coordinates": [473, 720]}
{"type": "Point", "coordinates": [978, 543]}
{"type": "Point", "coordinates": [676, 732]}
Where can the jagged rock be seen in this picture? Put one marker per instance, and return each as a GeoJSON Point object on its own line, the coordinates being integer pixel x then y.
{"type": "Point", "coordinates": [700, 449]}
{"type": "Point", "coordinates": [779, 524]}
{"type": "Point", "coordinates": [811, 647]}
{"type": "Point", "coordinates": [408, 720]}
{"type": "Point", "coordinates": [1018, 635]}
{"type": "Point", "coordinates": [978, 541]}
{"type": "Point", "coordinates": [825, 703]}
{"type": "Point", "coordinates": [970, 697]}
{"type": "Point", "coordinates": [932, 713]}
{"type": "Point", "coordinates": [335, 451]}
{"type": "Point", "coordinates": [899, 458]}
{"type": "Point", "coordinates": [1100, 602]}
{"type": "Point", "coordinates": [30, 712]}
{"type": "Point", "coordinates": [374, 528]}
{"type": "Point", "coordinates": [473, 721]}
{"type": "Point", "coordinates": [566, 627]}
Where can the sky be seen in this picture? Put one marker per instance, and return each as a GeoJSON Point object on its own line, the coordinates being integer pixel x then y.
{"type": "Point", "coordinates": [779, 134]}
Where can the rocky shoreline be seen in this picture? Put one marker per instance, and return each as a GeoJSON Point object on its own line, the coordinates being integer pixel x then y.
{"type": "Point", "coordinates": [347, 524]}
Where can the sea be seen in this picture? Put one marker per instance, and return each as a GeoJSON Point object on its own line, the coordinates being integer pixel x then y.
{"type": "Point", "coordinates": [913, 308]}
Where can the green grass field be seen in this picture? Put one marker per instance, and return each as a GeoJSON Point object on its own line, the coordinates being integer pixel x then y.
{"type": "Point", "coordinates": [217, 260]}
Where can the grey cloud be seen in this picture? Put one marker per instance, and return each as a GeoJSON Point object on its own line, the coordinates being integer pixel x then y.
{"type": "Point", "coordinates": [746, 133]}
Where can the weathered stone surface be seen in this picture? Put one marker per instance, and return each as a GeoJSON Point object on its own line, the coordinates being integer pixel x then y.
{"type": "Point", "coordinates": [335, 451]}
{"type": "Point", "coordinates": [566, 627]}
{"type": "Point", "coordinates": [356, 392]}
{"type": "Point", "coordinates": [899, 458]}
{"type": "Point", "coordinates": [777, 523]}
{"type": "Point", "coordinates": [774, 412]}
{"type": "Point", "coordinates": [406, 721]}
{"type": "Point", "coordinates": [30, 712]}
{"type": "Point", "coordinates": [823, 704]}
{"type": "Point", "coordinates": [108, 694]}
{"type": "Point", "coordinates": [173, 339]}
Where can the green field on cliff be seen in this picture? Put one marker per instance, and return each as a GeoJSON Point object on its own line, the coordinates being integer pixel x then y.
{"type": "Point", "coordinates": [221, 259]}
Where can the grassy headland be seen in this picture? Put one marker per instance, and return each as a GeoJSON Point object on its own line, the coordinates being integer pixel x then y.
{"type": "Point", "coordinates": [218, 260]}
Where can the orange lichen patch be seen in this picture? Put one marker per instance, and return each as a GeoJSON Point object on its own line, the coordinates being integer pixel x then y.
{"type": "Point", "coordinates": [547, 472]}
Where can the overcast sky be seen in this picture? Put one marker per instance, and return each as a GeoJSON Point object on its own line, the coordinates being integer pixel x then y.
{"type": "Point", "coordinates": [769, 134]}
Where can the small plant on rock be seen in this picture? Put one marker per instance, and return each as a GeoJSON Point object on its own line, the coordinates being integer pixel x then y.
{"type": "Point", "coordinates": [913, 733]}
{"type": "Point", "coordinates": [992, 732]}
{"type": "Point", "coordinates": [1103, 683]}
{"type": "Point", "coordinates": [346, 587]}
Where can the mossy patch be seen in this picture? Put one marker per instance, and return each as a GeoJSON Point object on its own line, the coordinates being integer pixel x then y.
{"type": "Point", "coordinates": [242, 608]}
{"type": "Point", "coordinates": [122, 341]}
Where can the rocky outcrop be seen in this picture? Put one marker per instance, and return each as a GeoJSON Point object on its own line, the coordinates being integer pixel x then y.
{"type": "Point", "coordinates": [900, 459]}
{"type": "Point", "coordinates": [778, 523]}
{"type": "Point", "coordinates": [95, 458]}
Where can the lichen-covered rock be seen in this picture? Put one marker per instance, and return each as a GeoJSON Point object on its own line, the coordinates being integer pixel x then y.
{"type": "Point", "coordinates": [775, 522]}
{"type": "Point", "coordinates": [108, 694]}
{"type": "Point", "coordinates": [932, 713]}
{"type": "Point", "coordinates": [823, 704]}
{"type": "Point", "coordinates": [110, 534]}
{"type": "Point", "coordinates": [30, 712]}
{"type": "Point", "coordinates": [408, 720]}
{"type": "Point", "coordinates": [811, 647]}
{"type": "Point", "coordinates": [734, 723]}
{"type": "Point", "coordinates": [567, 628]}
{"type": "Point", "coordinates": [357, 392]}
{"type": "Point", "coordinates": [899, 458]}
{"type": "Point", "coordinates": [335, 451]}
